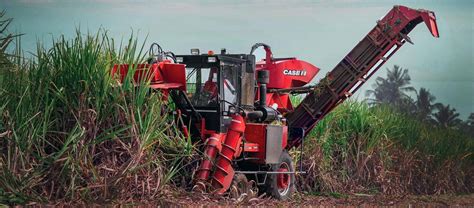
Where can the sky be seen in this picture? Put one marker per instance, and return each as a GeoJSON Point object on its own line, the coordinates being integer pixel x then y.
{"type": "Point", "coordinates": [320, 32]}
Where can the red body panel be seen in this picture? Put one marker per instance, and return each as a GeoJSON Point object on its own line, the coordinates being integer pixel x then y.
{"type": "Point", "coordinates": [288, 73]}
{"type": "Point", "coordinates": [163, 75]}
{"type": "Point", "coordinates": [255, 133]}
{"type": "Point", "coordinates": [173, 74]}
{"type": "Point", "coordinates": [142, 70]}
{"type": "Point", "coordinates": [285, 74]}
{"type": "Point", "coordinates": [400, 16]}
{"type": "Point", "coordinates": [282, 101]}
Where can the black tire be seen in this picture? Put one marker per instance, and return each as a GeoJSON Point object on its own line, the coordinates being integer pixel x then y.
{"type": "Point", "coordinates": [271, 184]}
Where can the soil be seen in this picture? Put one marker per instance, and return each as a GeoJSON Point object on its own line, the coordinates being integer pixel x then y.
{"type": "Point", "coordinates": [181, 198]}
{"type": "Point", "coordinates": [359, 200]}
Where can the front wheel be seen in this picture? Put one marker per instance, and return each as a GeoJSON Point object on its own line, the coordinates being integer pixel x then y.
{"type": "Point", "coordinates": [281, 185]}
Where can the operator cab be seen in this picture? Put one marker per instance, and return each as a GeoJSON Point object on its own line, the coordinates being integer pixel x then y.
{"type": "Point", "coordinates": [217, 86]}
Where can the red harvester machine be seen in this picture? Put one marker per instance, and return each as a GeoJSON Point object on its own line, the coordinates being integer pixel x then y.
{"type": "Point", "coordinates": [241, 110]}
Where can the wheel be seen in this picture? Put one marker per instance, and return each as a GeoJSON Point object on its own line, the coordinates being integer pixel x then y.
{"type": "Point", "coordinates": [281, 185]}
{"type": "Point", "coordinates": [240, 185]}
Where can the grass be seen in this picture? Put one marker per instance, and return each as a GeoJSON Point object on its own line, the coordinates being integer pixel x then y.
{"type": "Point", "coordinates": [357, 148]}
{"type": "Point", "coordinates": [71, 133]}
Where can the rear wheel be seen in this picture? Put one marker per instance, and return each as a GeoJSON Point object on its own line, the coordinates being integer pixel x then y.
{"type": "Point", "coordinates": [281, 185]}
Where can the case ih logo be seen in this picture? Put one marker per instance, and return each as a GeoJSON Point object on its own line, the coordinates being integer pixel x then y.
{"type": "Point", "coordinates": [290, 72]}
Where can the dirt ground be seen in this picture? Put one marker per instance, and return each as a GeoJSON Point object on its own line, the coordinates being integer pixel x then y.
{"type": "Point", "coordinates": [182, 198]}
{"type": "Point", "coordinates": [359, 200]}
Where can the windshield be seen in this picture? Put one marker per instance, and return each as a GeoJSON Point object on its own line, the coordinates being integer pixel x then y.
{"type": "Point", "coordinates": [202, 86]}
{"type": "Point", "coordinates": [230, 81]}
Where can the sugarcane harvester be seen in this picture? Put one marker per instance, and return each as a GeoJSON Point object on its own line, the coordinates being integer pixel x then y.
{"type": "Point", "coordinates": [241, 111]}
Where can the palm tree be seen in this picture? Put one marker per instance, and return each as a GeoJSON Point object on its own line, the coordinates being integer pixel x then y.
{"type": "Point", "coordinates": [470, 120]}
{"type": "Point", "coordinates": [468, 125]}
{"type": "Point", "coordinates": [424, 104]}
{"type": "Point", "coordinates": [393, 89]}
{"type": "Point", "coordinates": [446, 116]}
